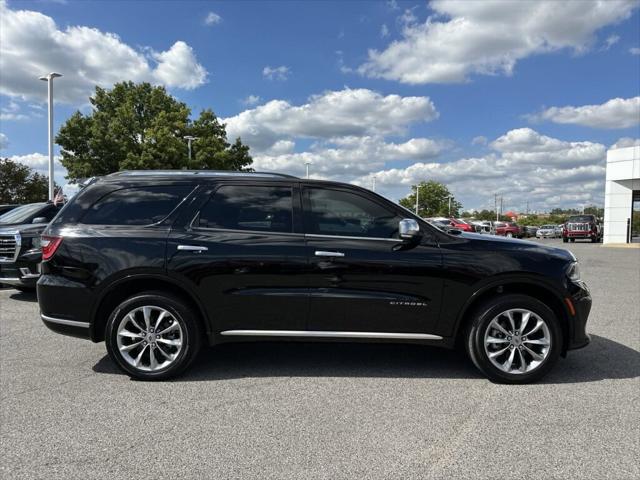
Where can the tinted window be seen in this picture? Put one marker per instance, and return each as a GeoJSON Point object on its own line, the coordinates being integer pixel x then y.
{"type": "Point", "coordinates": [136, 206]}
{"type": "Point", "coordinates": [242, 207]}
{"type": "Point", "coordinates": [336, 212]}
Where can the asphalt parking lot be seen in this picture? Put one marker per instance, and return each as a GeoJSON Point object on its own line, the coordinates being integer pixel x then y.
{"type": "Point", "coordinates": [327, 410]}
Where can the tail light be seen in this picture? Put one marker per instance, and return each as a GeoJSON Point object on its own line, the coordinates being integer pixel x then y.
{"type": "Point", "coordinates": [49, 246]}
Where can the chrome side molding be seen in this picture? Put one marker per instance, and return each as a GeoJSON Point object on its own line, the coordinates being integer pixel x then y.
{"type": "Point", "coordinates": [192, 248]}
{"type": "Point", "coordinates": [64, 321]}
{"type": "Point", "coordinates": [329, 334]}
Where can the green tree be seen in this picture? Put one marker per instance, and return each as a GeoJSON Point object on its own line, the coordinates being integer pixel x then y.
{"type": "Point", "coordinates": [433, 200]}
{"type": "Point", "coordinates": [20, 184]}
{"type": "Point", "coordinates": [141, 126]}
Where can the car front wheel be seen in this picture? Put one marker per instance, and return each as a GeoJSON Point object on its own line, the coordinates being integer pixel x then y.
{"type": "Point", "coordinates": [514, 339]}
{"type": "Point", "coordinates": [153, 336]}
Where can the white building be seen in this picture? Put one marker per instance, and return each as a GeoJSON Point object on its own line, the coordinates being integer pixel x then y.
{"type": "Point", "coordinates": [622, 194]}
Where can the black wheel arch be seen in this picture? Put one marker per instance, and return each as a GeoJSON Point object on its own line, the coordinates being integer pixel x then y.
{"type": "Point", "coordinates": [523, 284]}
{"type": "Point", "coordinates": [118, 290]}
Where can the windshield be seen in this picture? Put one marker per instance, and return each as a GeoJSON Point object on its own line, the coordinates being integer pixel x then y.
{"type": "Point", "coordinates": [580, 219]}
{"type": "Point", "coordinates": [21, 214]}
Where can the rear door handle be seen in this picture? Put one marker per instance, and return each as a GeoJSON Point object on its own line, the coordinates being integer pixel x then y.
{"type": "Point", "coordinates": [322, 253]}
{"type": "Point", "coordinates": [192, 248]}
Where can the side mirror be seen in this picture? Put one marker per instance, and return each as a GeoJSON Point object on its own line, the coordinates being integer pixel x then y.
{"type": "Point", "coordinates": [409, 229]}
{"type": "Point", "coordinates": [40, 220]}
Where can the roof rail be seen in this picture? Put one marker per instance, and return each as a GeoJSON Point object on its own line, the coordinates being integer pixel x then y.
{"type": "Point", "coordinates": [199, 172]}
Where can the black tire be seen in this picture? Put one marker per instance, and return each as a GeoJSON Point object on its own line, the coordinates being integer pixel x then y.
{"type": "Point", "coordinates": [565, 240]}
{"type": "Point", "coordinates": [183, 315]}
{"type": "Point", "coordinates": [594, 239]}
{"type": "Point", "coordinates": [573, 240]}
{"type": "Point", "coordinates": [479, 324]}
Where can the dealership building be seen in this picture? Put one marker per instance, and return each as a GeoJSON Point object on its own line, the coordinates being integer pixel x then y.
{"type": "Point", "coordinates": [622, 196]}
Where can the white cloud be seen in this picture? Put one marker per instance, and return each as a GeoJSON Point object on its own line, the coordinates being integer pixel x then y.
{"type": "Point", "coordinates": [40, 164]}
{"type": "Point", "coordinates": [488, 37]}
{"type": "Point", "coordinates": [343, 113]}
{"type": "Point", "coordinates": [610, 41]}
{"type": "Point", "coordinates": [212, 18]}
{"type": "Point", "coordinates": [85, 56]}
{"type": "Point", "coordinates": [276, 73]}
{"type": "Point", "coordinates": [384, 31]}
{"type": "Point", "coordinates": [178, 67]}
{"type": "Point", "coordinates": [634, 50]}
{"type": "Point", "coordinates": [626, 142]}
{"type": "Point", "coordinates": [11, 112]}
{"type": "Point", "coordinates": [4, 141]}
{"type": "Point", "coordinates": [348, 157]}
{"type": "Point", "coordinates": [615, 113]}
{"type": "Point", "coordinates": [251, 100]}
{"type": "Point", "coordinates": [479, 140]}
{"type": "Point", "coordinates": [525, 166]}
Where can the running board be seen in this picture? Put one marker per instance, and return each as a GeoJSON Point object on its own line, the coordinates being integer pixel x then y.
{"type": "Point", "coordinates": [329, 334]}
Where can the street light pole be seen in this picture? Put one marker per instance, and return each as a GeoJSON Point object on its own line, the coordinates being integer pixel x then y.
{"type": "Point", "coordinates": [449, 207]}
{"type": "Point", "coordinates": [189, 139]}
{"type": "Point", "coordinates": [307, 163]}
{"type": "Point", "coordinates": [417, 197]}
{"type": "Point", "coordinates": [49, 79]}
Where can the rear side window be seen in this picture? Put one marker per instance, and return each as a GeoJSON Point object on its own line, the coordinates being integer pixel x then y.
{"type": "Point", "coordinates": [336, 212]}
{"type": "Point", "coordinates": [136, 206]}
{"type": "Point", "coordinates": [243, 207]}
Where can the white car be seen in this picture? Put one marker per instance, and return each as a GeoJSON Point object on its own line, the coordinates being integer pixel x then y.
{"type": "Point", "coordinates": [547, 231]}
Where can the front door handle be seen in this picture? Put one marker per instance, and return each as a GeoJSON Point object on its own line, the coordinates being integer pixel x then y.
{"type": "Point", "coordinates": [322, 253]}
{"type": "Point", "coordinates": [192, 248]}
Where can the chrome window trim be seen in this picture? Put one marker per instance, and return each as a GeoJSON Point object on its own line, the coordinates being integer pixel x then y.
{"type": "Point", "coordinates": [330, 334]}
{"type": "Point", "coordinates": [251, 232]}
{"type": "Point", "coordinates": [64, 321]}
{"type": "Point", "coordinates": [347, 237]}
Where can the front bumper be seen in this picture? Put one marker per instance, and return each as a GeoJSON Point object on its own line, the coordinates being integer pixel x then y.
{"type": "Point", "coordinates": [579, 234]}
{"type": "Point", "coordinates": [581, 301]}
{"type": "Point", "coordinates": [22, 273]}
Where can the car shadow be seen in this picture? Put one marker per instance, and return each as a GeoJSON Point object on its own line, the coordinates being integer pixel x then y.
{"type": "Point", "coordinates": [603, 359]}
{"type": "Point", "coordinates": [26, 296]}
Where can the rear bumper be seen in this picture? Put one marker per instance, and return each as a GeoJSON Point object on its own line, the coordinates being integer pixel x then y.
{"type": "Point", "coordinates": [65, 306]}
{"type": "Point", "coordinates": [64, 326]}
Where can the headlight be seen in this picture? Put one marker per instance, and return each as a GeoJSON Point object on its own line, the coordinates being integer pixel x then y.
{"type": "Point", "coordinates": [574, 272]}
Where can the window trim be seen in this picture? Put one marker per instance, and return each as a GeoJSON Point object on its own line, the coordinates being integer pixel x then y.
{"type": "Point", "coordinates": [211, 193]}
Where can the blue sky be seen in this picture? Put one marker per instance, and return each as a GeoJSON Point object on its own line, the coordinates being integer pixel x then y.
{"type": "Point", "coordinates": [518, 98]}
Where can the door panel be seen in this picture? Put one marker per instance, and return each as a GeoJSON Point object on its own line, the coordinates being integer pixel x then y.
{"type": "Point", "coordinates": [372, 287]}
{"type": "Point", "coordinates": [247, 280]}
{"type": "Point", "coordinates": [244, 258]}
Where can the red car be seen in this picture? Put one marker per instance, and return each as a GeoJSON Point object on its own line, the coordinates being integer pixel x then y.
{"type": "Point", "coordinates": [582, 227]}
{"type": "Point", "coordinates": [462, 225]}
{"type": "Point", "coordinates": [508, 229]}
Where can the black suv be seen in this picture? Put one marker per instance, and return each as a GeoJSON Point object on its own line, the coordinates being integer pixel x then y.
{"type": "Point", "coordinates": [159, 263]}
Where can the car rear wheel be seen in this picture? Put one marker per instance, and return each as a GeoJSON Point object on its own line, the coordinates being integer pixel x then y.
{"type": "Point", "coordinates": [153, 336]}
{"type": "Point", "coordinates": [514, 339]}
{"type": "Point", "coordinates": [573, 240]}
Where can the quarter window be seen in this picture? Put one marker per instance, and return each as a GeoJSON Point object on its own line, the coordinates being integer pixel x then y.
{"type": "Point", "coordinates": [337, 212]}
{"type": "Point", "coordinates": [136, 206]}
{"type": "Point", "coordinates": [243, 207]}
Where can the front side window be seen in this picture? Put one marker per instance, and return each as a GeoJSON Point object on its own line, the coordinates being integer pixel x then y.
{"type": "Point", "coordinates": [136, 206]}
{"type": "Point", "coordinates": [337, 212]}
{"type": "Point", "coordinates": [249, 207]}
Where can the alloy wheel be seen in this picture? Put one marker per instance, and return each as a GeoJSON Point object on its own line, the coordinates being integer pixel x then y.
{"type": "Point", "coordinates": [149, 338]}
{"type": "Point", "coordinates": [517, 341]}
